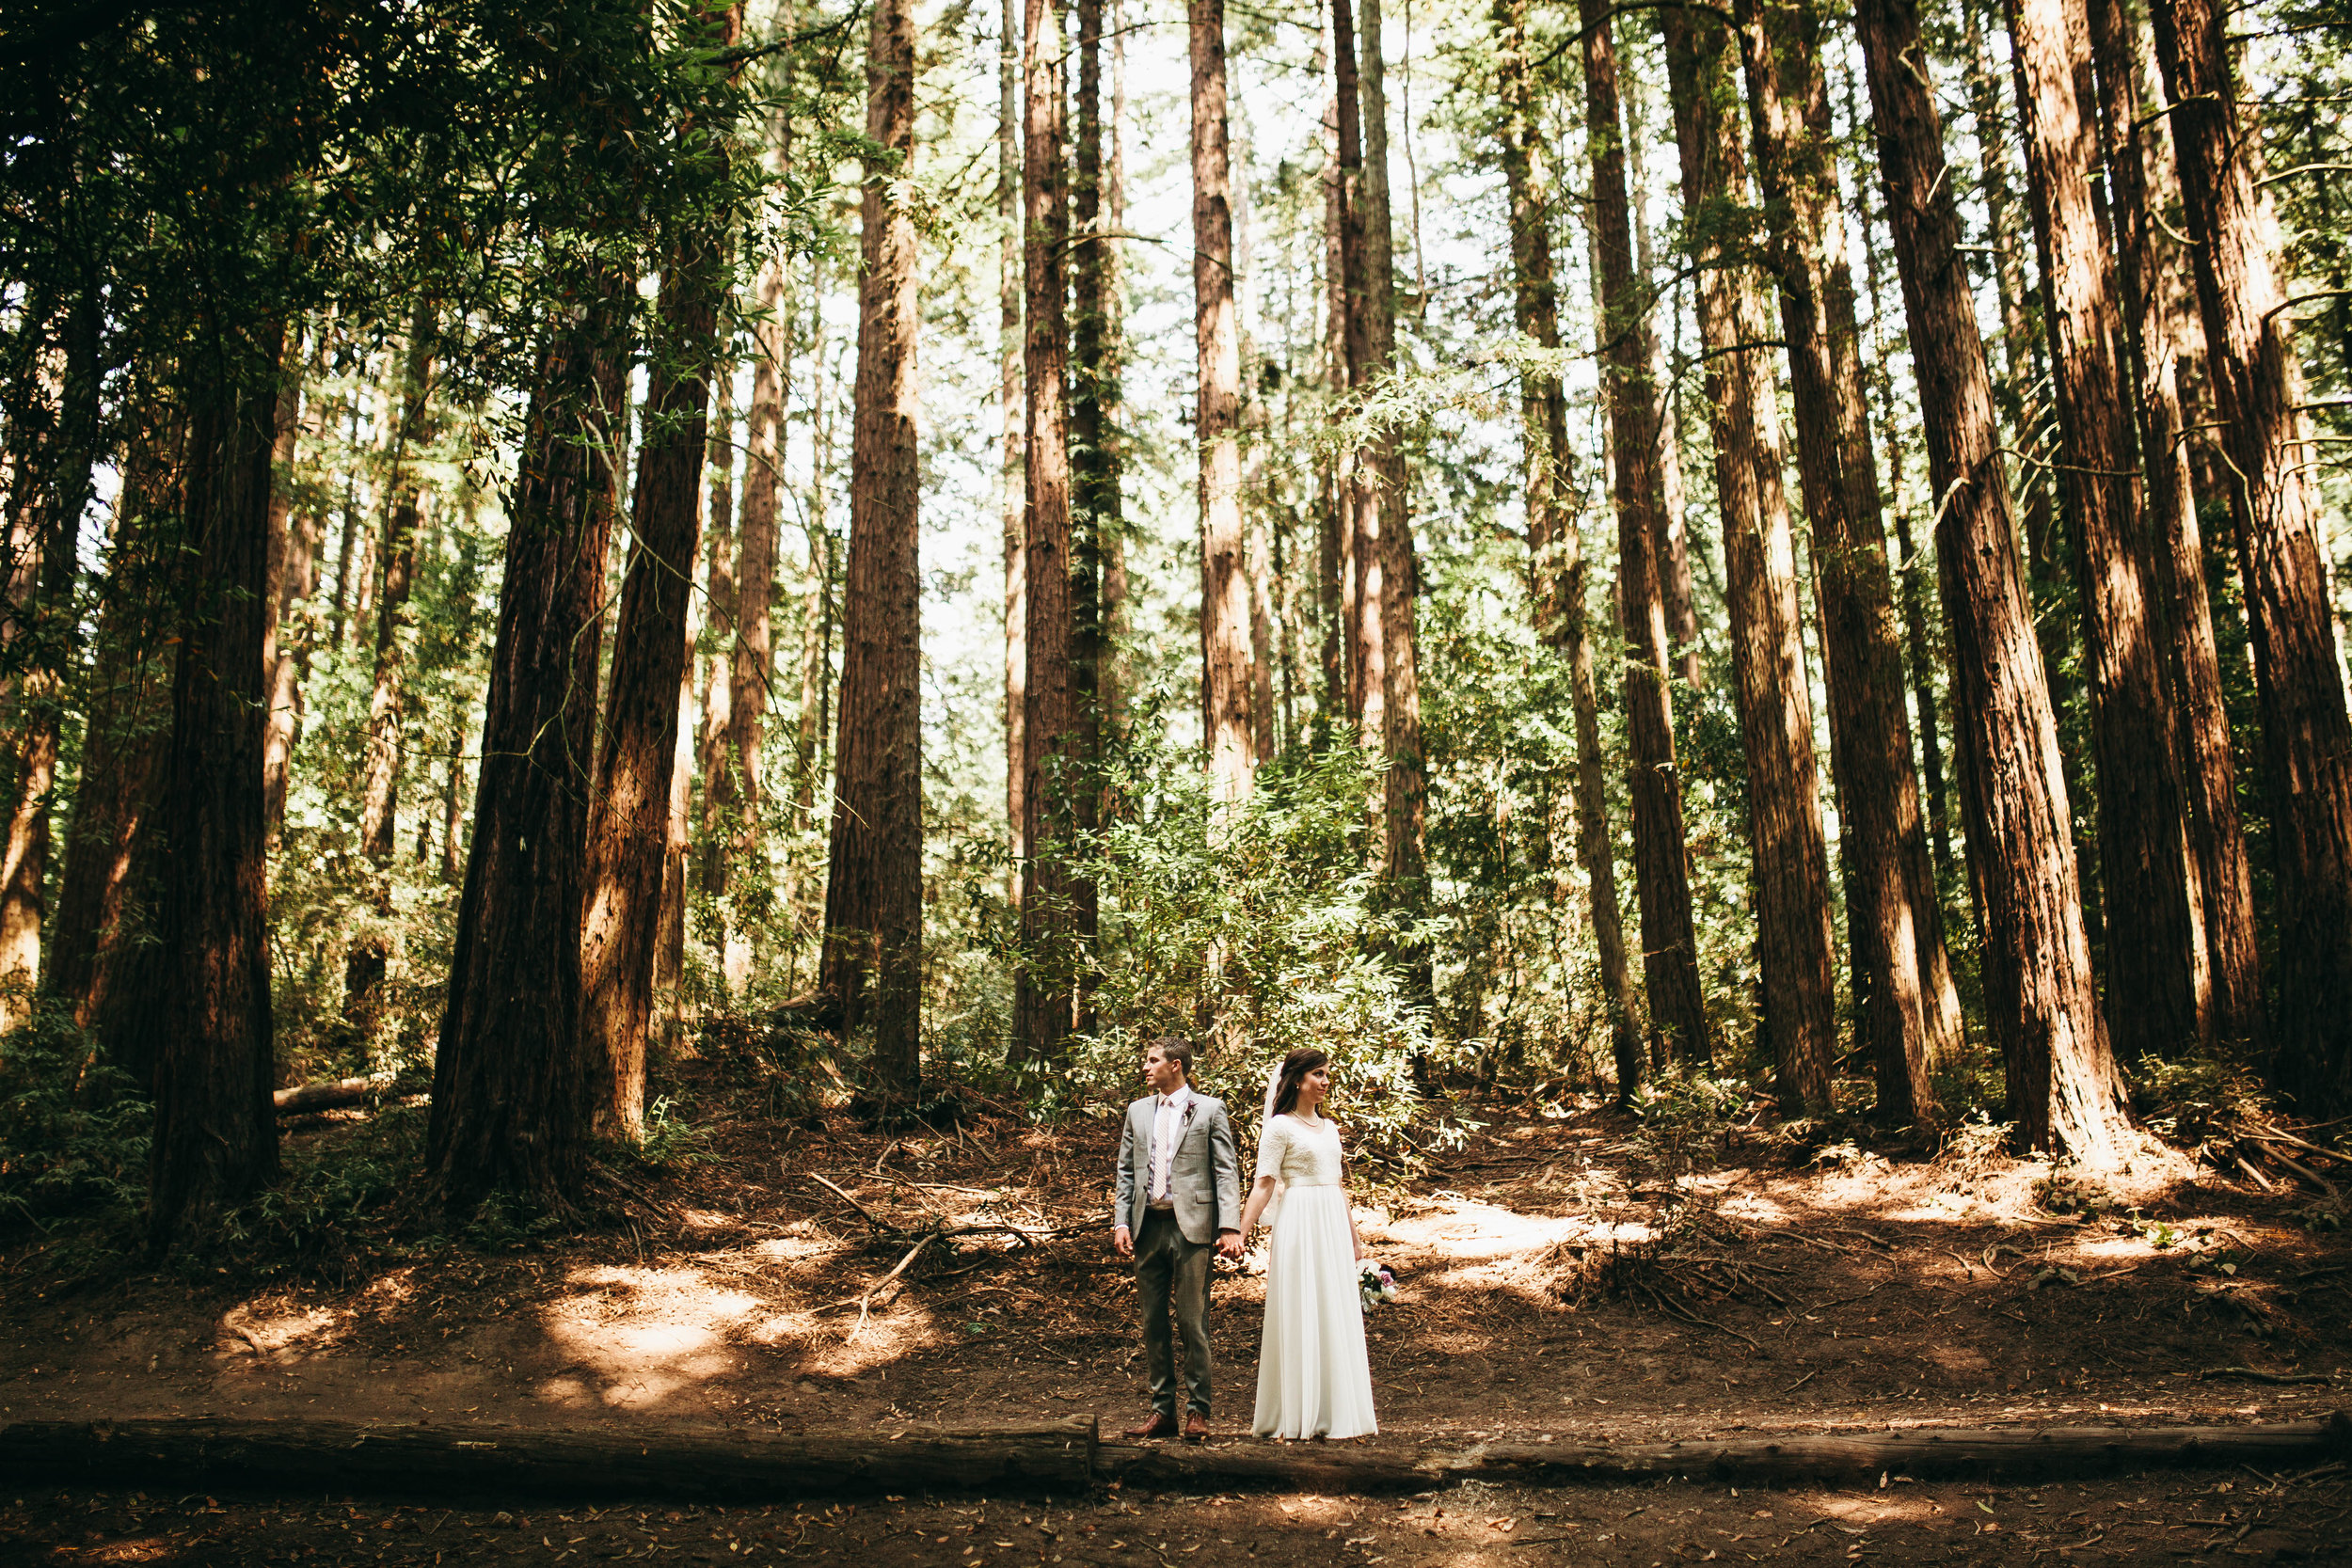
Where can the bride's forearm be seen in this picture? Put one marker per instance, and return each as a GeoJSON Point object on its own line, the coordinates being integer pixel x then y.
{"type": "Point", "coordinates": [1260, 1194]}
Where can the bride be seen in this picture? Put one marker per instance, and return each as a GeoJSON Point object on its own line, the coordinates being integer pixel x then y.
{"type": "Point", "coordinates": [1313, 1377]}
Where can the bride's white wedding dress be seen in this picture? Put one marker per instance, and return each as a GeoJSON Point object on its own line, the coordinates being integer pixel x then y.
{"type": "Point", "coordinates": [1313, 1377]}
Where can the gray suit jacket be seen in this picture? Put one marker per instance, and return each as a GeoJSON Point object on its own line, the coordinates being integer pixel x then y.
{"type": "Point", "coordinates": [1203, 1181]}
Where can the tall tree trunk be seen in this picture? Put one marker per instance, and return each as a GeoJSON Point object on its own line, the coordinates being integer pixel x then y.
{"type": "Point", "coordinates": [2307, 738]}
{"type": "Point", "coordinates": [717, 759]}
{"type": "Point", "coordinates": [1225, 652]}
{"type": "Point", "coordinates": [874, 890]}
{"type": "Point", "coordinates": [1387, 525]}
{"type": "Point", "coordinates": [1672, 543]}
{"type": "Point", "coordinates": [2232, 1009]}
{"type": "Point", "coordinates": [1011, 415]}
{"type": "Point", "coordinates": [1358, 486]}
{"type": "Point", "coordinates": [1041, 999]}
{"type": "Point", "coordinates": [629, 820]}
{"type": "Point", "coordinates": [1662, 877]}
{"type": "Point", "coordinates": [51, 486]}
{"type": "Point", "coordinates": [751, 655]}
{"type": "Point", "coordinates": [1111, 677]}
{"type": "Point", "coordinates": [208, 1021]}
{"type": "Point", "coordinates": [101, 958]}
{"type": "Point", "coordinates": [1556, 566]}
{"type": "Point", "coordinates": [669, 952]}
{"type": "Point", "coordinates": [1335, 592]}
{"type": "Point", "coordinates": [1794, 937]}
{"type": "Point", "coordinates": [1910, 1005]}
{"type": "Point", "coordinates": [379, 770]}
{"type": "Point", "coordinates": [513, 1098]}
{"type": "Point", "coordinates": [293, 542]}
{"type": "Point", "coordinates": [1094, 468]}
{"type": "Point", "coordinates": [2041, 1003]}
{"type": "Point", "coordinates": [2152, 1008]}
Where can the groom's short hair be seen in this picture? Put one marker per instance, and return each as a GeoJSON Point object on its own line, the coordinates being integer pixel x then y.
{"type": "Point", "coordinates": [1176, 1049]}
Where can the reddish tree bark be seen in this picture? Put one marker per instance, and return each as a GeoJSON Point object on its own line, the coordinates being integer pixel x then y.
{"type": "Point", "coordinates": [2040, 1002]}
{"type": "Point", "coordinates": [1910, 1006]}
{"type": "Point", "coordinates": [1225, 649]}
{"type": "Point", "coordinates": [513, 1100]}
{"type": "Point", "coordinates": [874, 889]}
{"type": "Point", "coordinates": [1790, 880]}
{"type": "Point", "coordinates": [1661, 879]}
{"type": "Point", "coordinates": [2307, 736]}
{"type": "Point", "coordinates": [208, 1021]}
{"type": "Point", "coordinates": [1555, 549]}
{"type": "Point", "coordinates": [2231, 1007]}
{"type": "Point", "coordinates": [2150, 952]}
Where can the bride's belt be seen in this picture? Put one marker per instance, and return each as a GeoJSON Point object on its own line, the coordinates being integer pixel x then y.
{"type": "Point", "coordinates": [1295, 1183]}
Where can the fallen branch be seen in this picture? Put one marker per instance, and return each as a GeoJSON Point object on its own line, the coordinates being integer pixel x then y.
{"type": "Point", "coordinates": [866, 1301]}
{"type": "Point", "coordinates": [869, 1213]}
{"type": "Point", "coordinates": [2251, 1375]}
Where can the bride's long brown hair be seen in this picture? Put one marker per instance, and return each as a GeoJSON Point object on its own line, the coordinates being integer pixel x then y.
{"type": "Point", "coordinates": [1294, 1070]}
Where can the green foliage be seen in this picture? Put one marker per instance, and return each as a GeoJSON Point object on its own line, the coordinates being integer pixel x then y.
{"type": "Point", "coordinates": [74, 1133]}
{"type": "Point", "coordinates": [1251, 926]}
{"type": "Point", "coordinates": [1686, 1115]}
{"type": "Point", "coordinates": [2188, 1100]}
{"type": "Point", "coordinates": [669, 1138]}
{"type": "Point", "coordinates": [335, 1191]}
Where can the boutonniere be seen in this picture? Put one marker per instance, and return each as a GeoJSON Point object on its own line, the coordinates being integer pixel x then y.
{"type": "Point", "coordinates": [1192, 1102]}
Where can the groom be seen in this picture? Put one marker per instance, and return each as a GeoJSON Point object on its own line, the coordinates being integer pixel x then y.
{"type": "Point", "coordinates": [1179, 1193]}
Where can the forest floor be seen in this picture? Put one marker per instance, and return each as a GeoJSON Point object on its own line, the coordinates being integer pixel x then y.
{"type": "Point", "coordinates": [1566, 1274]}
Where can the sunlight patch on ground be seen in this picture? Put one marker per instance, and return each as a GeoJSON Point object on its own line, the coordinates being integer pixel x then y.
{"type": "Point", "coordinates": [253, 1329]}
{"type": "Point", "coordinates": [1878, 1508]}
{"type": "Point", "coordinates": [641, 1336]}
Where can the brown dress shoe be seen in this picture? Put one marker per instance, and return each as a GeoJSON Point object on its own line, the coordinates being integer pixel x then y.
{"type": "Point", "coordinates": [1196, 1427]}
{"type": "Point", "coordinates": [1162, 1424]}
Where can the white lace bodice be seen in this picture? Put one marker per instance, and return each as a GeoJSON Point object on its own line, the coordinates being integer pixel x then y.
{"type": "Point", "coordinates": [1302, 1154]}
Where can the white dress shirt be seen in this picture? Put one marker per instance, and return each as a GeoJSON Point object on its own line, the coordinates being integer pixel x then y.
{"type": "Point", "coordinates": [1168, 1125]}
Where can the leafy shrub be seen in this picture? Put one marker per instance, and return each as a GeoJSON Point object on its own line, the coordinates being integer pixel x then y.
{"type": "Point", "coordinates": [1252, 927]}
{"type": "Point", "coordinates": [74, 1132]}
{"type": "Point", "coordinates": [2186, 1101]}
{"type": "Point", "coordinates": [333, 1191]}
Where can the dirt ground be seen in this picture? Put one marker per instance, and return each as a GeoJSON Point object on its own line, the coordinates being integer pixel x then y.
{"type": "Point", "coordinates": [1562, 1274]}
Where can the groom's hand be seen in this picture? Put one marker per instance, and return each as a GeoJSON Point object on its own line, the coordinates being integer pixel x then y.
{"type": "Point", "coordinates": [1124, 1240]}
{"type": "Point", "coordinates": [1229, 1243]}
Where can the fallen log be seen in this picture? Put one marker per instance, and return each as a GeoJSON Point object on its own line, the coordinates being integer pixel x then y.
{"type": "Point", "coordinates": [344, 1457]}
{"type": "Point", "coordinates": [2039, 1452]}
{"type": "Point", "coordinates": [1065, 1458]}
{"type": "Point", "coordinates": [335, 1094]}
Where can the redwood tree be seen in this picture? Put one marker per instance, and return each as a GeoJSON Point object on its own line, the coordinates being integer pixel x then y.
{"type": "Point", "coordinates": [1225, 649]}
{"type": "Point", "coordinates": [2152, 1003]}
{"type": "Point", "coordinates": [2040, 1002]}
{"type": "Point", "coordinates": [1555, 549]}
{"type": "Point", "coordinates": [874, 890]}
{"type": "Point", "coordinates": [2257, 386]}
{"type": "Point", "coordinates": [1793, 935]}
{"type": "Point", "coordinates": [1661, 878]}
{"type": "Point", "coordinates": [208, 1021]}
{"type": "Point", "coordinates": [1911, 1008]}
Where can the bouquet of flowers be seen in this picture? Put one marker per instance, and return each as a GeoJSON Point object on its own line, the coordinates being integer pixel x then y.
{"type": "Point", "coordinates": [1377, 1283]}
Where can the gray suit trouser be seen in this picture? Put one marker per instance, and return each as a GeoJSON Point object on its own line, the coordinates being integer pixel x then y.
{"type": "Point", "coordinates": [1172, 1279]}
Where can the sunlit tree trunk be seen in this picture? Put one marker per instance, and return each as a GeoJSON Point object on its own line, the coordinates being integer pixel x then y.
{"type": "Point", "coordinates": [1216, 338]}
{"type": "Point", "coordinates": [1672, 543]}
{"type": "Point", "coordinates": [53, 452]}
{"type": "Point", "coordinates": [293, 542]}
{"type": "Point", "coordinates": [1011, 414]}
{"type": "Point", "coordinates": [380, 786]}
{"type": "Point", "coordinates": [750, 661]}
{"type": "Point", "coordinates": [2150, 950]}
{"type": "Point", "coordinates": [1910, 1006]}
{"type": "Point", "coordinates": [2040, 1003]}
{"type": "Point", "coordinates": [718, 796]}
{"type": "Point", "coordinates": [629, 826]}
{"type": "Point", "coordinates": [1358, 486]}
{"type": "Point", "coordinates": [2232, 1009]}
{"type": "Point", "coordinates": [1662, 876]}
{"type": "Point", "coordinates": [208, 1021]}
{"type": "Point", "coordinates": [2307, 738]}
{"type": "Point", "coordinates": [1794, 939]}
{"type": "Point", "coordinates": [1555, 550]}
{"type": "Point", "coordinates": [874, 890]}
